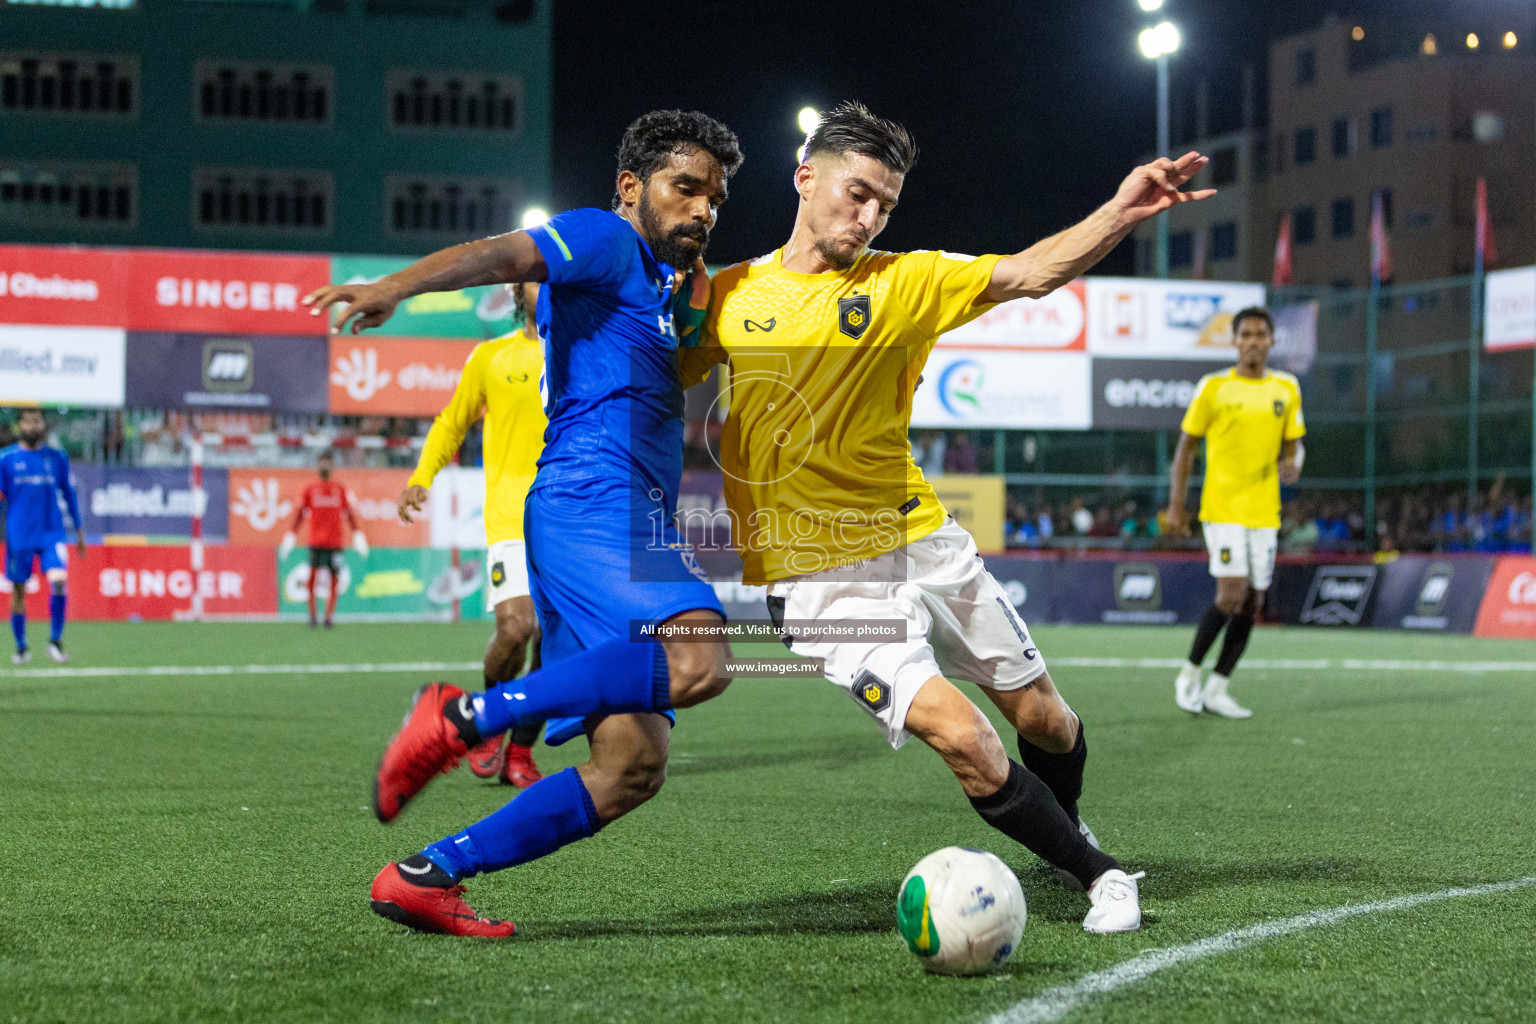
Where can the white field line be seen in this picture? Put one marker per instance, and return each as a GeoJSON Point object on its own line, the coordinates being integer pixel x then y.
{"type": "Point", "coordinates": [1055, 1003]}
{"type": "Point", "coordinates": [1312, 664]}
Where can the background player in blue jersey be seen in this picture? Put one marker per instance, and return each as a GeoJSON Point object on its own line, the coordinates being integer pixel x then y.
{"type": "Point", "coordinates": [603, 555]}
{"type": "Point", "coordinates": [34, 480]}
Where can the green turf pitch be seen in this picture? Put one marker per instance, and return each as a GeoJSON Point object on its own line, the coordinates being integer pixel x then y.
{"type": "Point", "coordinates": [199, 848]}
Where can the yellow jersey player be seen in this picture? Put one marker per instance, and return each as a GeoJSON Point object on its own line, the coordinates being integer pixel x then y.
{"type": "Point", "coordinates": [500, 379]}
{"type": "Point", "coordinates": [1250, 418]}
{"type": "Point", "coordinates": [826, 339]}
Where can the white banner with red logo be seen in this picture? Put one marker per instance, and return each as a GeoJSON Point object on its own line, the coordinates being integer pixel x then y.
{"type": "Point", "coordinates": [1132, 317]}
{"type": "Point", "coordinates": [1510, 309]}
{"type": "Point", "coordinates": [1056, 323]}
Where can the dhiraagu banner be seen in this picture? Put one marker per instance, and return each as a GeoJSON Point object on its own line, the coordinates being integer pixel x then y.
{"type": "Point", "coordinates": [391, 583]}
{"type": "Point", "coordinates": [471, 313]}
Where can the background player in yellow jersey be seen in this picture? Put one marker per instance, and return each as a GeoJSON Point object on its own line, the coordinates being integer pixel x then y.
{"type": "Point", "coordinates": [826, 340]}
{"type": "Point", "coordinates": [1250, 418]}
{"type": "Point", "coordinates": [500, 379]}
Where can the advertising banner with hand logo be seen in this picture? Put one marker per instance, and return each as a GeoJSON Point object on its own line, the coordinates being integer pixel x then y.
{"type": "Point", "coordinates": [262, 503]}
{"type": "Point", "coordinates": [388, 376]}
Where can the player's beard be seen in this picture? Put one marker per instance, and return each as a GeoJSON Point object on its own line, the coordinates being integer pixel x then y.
{"type": "Point", "coordinates": [840, 256]}
{"type": "Point", "coordinates": [677, 248]}
{"type": "Point", "coordinates": [32, 438]}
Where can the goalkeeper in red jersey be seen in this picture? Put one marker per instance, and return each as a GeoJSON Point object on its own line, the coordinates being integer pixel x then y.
{"type": "Point", "coordinates": [324, 503]}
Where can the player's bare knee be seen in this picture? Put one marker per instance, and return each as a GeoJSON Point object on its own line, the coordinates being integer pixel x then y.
{"type": "Point", "coordinates": [1231, 600]}
{"type": "Point", "coordinates": [638, 781]}
{"type": "Point", "coordinates": [697, 672]}
{"type": "Point", "coordinates": [1050, 725]}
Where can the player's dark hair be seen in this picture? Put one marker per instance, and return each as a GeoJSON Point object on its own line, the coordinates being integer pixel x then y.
{"type": "Point", "coordinates": [651, 140]}
{"type": "Point", "coordinates": [326, 456]}
{"type": "Point", "coordinates": [849, 127]}
{"type": "Point", "coordinates": [1252, 313]}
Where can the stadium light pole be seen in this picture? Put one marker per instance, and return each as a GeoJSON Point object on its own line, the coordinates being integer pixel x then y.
{"type": "Point", "coordinates": [1158, 43]}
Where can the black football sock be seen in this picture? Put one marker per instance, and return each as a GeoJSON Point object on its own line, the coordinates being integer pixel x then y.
{"type": "Point", "coordinates": [418, 870]}
{"type": "Point", "coordinates": [1206, 633]}
{"type": "Point", "coordinates": [1063, 773]}
{"type": "Point", "coordinates": [525, 735]}
{"type": "Point", "coordinates": [461, 714]}
{"type": "Point", "coordinates": [1232, 647]}
{"type": "Point", "coordinates": [1025, 810]}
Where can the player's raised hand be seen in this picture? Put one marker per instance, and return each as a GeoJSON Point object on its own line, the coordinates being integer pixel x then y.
{"type": "Point", "coordinates": [1152, 188]}
{"type": "Point", "coordinates": [369, 304]}
{"type": "Point", "coordinates": [411, 500]}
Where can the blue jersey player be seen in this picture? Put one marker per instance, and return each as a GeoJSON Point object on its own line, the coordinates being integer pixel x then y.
{"type": "Point", "coordinates": [603, 558]}
{"type": "Point", "coordinates": [34, 480]}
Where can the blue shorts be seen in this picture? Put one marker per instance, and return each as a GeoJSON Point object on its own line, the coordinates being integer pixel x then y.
{"type": "Point", "coordinates": [597, 562]}
{"type": "Point", "coordinates": [18, 561]}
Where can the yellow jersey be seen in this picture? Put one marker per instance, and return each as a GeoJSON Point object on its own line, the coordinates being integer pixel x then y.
{"type": "Point", "coordinates": [501, 378]}
{"type": "Point", "coordinates": [818, 469]}
{"type": "Point", "coordinates": [1244, 420]}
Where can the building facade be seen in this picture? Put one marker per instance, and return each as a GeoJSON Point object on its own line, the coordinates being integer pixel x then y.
{"type": "Point", "coordinates": [390, 126]}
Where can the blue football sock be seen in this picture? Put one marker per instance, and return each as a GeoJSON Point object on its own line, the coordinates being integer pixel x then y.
{"type": "Point", "coordinates": [614, 678]}
{"type": "Point", "coordinates": [551, 813]}
{"type": "Point", "coordinates": [56, 604]}
{"type": "Point", "coordinates": [19, 630]}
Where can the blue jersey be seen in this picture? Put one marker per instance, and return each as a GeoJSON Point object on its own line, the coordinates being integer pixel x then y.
{"type": "Point", "coordinates": [614, 400]}
{"type": "Point", "coordinates": [33, 480]}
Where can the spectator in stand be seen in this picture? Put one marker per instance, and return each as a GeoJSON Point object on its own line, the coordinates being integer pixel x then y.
{"type": "Point", "coordinates": [1103, 524]}
{"type": "Point", "coordinates": [1080, 518]}
{"type": "Point", "coordinates": [1044, 524]}
{"type": "Point", "coordinates": [1298, 528]}
{"type": "Point", "coordinates": [962, 456]}
{"type": "Point", "coordinates": [929, 453]}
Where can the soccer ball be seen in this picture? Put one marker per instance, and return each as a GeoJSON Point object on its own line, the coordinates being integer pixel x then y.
{"type": "Point", "coordinates": [961, 911]}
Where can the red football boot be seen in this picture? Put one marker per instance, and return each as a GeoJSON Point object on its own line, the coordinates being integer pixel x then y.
{"type": "Point", "coordinates": [485, 758]}
{"type": "Point", "coordinates": [517, 767]}
{"type": "Point", "coordinates": [426, 745]}
{"type": "Point", "coordinates": [430, 909]}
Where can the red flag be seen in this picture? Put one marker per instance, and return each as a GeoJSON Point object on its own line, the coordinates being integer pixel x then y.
{"type": "Point", "coordinates": [1487, 248]}
{"type": "Point", "coordinates": [1381, 245]}
{"type": "Point", "coordinates": [1199, 272]}
{"type": "Point", "coordinates": [1282, 273]}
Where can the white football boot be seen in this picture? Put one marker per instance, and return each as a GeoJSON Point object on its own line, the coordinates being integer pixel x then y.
{"type": "Point", "coordinates": [1068, 879]}
{"type": "Point", "coordinates": [21, 657]}
{"type": "Point", "coordinates": [1116, 903]}
{"type": "Point", "coordinates": [1186, 689]}
{"type": "Point", "coordinates": [1218, 702]}
{"type": "Point", "coordinates": [56, 652]}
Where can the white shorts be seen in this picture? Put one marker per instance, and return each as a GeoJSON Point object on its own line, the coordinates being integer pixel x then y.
{"type": "Point", "coordinates": [959, 624]}
{"type": "Point", "coordinates": [506, 564]}
{"type": "Point", "coordinates": [1238, 551]}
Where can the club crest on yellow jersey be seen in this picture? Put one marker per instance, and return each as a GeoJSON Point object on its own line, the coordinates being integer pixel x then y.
{"type": "Point", "coordinates": [854, 315]}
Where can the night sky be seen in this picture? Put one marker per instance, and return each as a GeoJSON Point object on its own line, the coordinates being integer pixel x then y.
{"type": "Point", "coordinates": [1028, 113]}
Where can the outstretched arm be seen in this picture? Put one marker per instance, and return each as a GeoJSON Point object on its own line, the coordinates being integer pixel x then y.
{"type": "Point", "coordinates": [501, 259]}
{"type": "Point", "coordinates": [1049, 264]}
